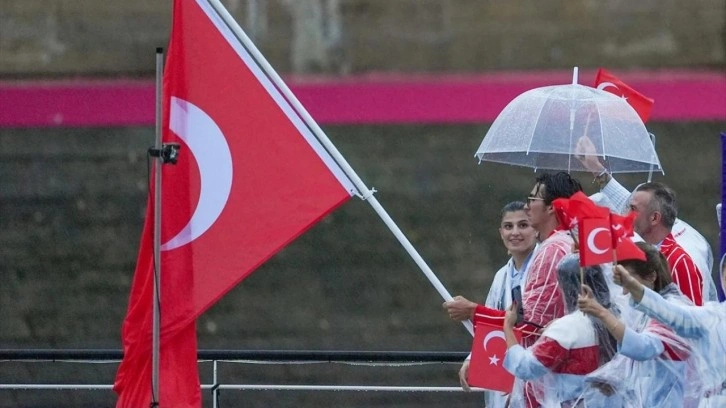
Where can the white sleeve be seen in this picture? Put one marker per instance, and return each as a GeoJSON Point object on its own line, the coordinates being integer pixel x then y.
{"type": "Point", "coordinates": [497, 290]}
{"type": "Point", "coordinates": [686, 321]}
{"type": "Point", "coordinates": [640, 346]}
{"type": "Point", "coordinates": [521, 363]}
{"type": "Point", "coordinates": [618, 196]}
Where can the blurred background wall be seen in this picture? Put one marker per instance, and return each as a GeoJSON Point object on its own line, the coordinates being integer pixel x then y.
{"type": "Point", "coordinates": [72, 37]}
{"type": "Point", "coordinates": [72, 199]}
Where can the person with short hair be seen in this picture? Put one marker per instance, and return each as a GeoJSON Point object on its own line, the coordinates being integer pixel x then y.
{"type": "Point", "coordinates": [542, 300]}
{"type": "Point", "coordinates": [619, 199]}
{"type": "Point", "coordinates": [656, 206]}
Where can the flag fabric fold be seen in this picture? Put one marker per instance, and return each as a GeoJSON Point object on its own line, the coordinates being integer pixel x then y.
{"type": "Point", "coordinates": [642, 104]}
{"type": "Point", "coordinates": [250, 178]}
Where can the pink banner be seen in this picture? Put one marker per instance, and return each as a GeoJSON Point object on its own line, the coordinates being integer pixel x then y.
{"type": "Point", "coordinates": [362, 99]}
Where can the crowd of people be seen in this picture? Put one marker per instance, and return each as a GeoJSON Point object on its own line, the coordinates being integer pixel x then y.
{"type": "Point", "coordinates": [636, 333]}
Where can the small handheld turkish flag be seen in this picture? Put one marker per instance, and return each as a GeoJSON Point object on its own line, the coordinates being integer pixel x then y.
{"type": "Point", "coordinates": [621, 227]}
{"type": "Point", "coordinates": [486, 369]}
{"type": "Point", "coordinates": [627, 249]}
{"type": "Point", "coordinates": [606, 81]}
{"type": "Point", "coordinates": [595, 242]}
{"type": "Point", "coordinates": [581, 207]}
{"type": "Point", "coordinates": [562, 211]}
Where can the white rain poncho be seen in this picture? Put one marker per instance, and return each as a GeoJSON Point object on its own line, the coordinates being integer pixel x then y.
{"type": "Point", "coordinates": [552, 372]}
{"type": "Point", "coordinates": [705, 326]}
{"type": "Point", "coordinates": [654, 366]}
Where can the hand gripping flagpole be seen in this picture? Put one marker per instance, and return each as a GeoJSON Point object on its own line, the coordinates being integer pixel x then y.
{"type": "Point", "coordinates": [364, 192]}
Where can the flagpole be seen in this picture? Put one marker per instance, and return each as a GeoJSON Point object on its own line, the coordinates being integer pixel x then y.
{"type": "Point", "coordinates": [364, 191]}
{"type": "Point", "coordinates": [155, 343]}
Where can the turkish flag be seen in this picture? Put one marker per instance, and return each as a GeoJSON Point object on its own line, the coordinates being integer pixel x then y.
{"type": "Point", "coordinates": [621, 227]}
{"type": "Point", "coordinates": [250, 178]}
{"type": "Point", "coordinates": [581, 207]}
{"type": "Point", "coordinates": [606, 81]}
{"type": "Point", "coordinates": [486, 369]}
{"type": "Point", "coordinates": [562, 212]}
{"type": "Point", "coordinates": [594, 241]}
{"type": "Point", "coordinates": [627, 249]}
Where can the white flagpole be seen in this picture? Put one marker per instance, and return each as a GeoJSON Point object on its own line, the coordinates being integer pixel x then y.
{"type": "Point", "coordinates": [323, 139]}
{"type": "Point", "coordinates": [155, 348]}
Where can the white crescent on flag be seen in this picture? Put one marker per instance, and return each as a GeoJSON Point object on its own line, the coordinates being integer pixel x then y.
{"type": "Point", "coordinates": [601, 86]}
{"type": "Point", "coordinates": [211, 151]}
{"type": "Point", "coordinates": [493, 334]}
{"type": "Point", "coordinates": [591, 241]}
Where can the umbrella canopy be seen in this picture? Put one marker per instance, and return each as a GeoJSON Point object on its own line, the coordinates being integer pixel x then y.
{"type": "Point", "coordinates": [541, 128]}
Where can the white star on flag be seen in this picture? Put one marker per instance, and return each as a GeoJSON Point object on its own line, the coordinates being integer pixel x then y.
{"type": "Point", "coordinates": [573, 222]}
{"type": "Point", "coordinates": [494, 360]}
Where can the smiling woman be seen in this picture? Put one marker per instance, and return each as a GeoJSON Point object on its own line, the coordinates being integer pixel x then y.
{"type": "Point", "coordinates": [519, 238]}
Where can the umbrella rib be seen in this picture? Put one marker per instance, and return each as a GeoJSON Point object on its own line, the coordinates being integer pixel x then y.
{"type": "Point", "coordinates": [602, 138]}
{"type": "Point", "coordinates": [539, 114]}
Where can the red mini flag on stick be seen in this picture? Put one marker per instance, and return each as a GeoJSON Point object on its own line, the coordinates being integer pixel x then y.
{"type": "Point", "coordinates": [621, 227]}
{"type": "Point", "coordinates": [488, 349]}
{"type": "Point", "coordinates": [595, 242]}
{"type": "Point", "coordinates": [250, 178]}
{"type": "Point", "coordinates": [562, 212]}
{"type": "Point", "coordinates": [628, 250]}
{"type": "Point", "coordinates": [581, 207]}
{"type": "Point", "coordinates": [606, 81]}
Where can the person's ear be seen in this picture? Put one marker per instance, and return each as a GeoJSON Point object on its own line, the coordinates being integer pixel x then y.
{"type": "Point", "coordinates": [656, 217]}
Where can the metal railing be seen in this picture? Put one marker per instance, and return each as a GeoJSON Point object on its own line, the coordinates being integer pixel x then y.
{"type": "Point", "coordinates": [369, 358]}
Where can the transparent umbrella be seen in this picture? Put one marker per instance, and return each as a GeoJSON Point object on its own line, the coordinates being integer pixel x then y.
{"type": "Point", "coordinates": [541, 129]}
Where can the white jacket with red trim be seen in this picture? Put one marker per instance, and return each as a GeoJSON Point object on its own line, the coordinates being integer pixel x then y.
{"type": "Point", "coordinates": [567, 351]}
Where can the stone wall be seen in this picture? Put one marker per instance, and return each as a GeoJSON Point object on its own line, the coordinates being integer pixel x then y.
{"type": "Point", "coordinates": [72, 209]}
{"type": "Point", "coordinates": [73, 37]}
{"type": "Point", "coordinates": [72, 200]}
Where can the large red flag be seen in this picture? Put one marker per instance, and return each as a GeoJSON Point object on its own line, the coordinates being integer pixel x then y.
{"type": "Point", "coordinates": [606, 81]}
{"type": "Point", "coordinates": [488, 349]}
{"type": "Point", "coordinates": [250, 178]}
